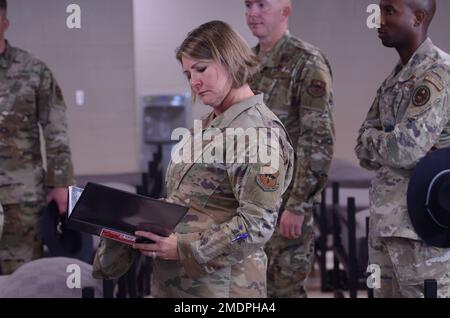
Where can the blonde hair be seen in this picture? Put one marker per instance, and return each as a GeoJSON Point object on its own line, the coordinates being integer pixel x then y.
{"type": "Point", "coordinates": [217, 41]}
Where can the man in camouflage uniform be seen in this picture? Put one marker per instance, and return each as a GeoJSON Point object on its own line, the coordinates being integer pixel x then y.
{"type": "Point", "coordinates": [29, 98]}
{"type": "Point", "coordinates": [296, 80]}
{"type": "Point", "coordinates": [409, 118]}
{"type": "Point", "coordinates": [233, 210]}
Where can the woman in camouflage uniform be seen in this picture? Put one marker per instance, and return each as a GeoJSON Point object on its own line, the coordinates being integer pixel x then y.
{"type": "Point", "coordinates": [217, 249]}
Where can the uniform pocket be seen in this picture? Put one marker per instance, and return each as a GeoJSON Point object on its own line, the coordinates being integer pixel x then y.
{"type": "Point", "coordinates": [280, 94]}
{"type": "Point", "coordinates": [200, 183]}
{"type": "Point", "coordinates": [414, 261]}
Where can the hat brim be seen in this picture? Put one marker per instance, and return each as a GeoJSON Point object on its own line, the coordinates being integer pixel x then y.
{"type": "Point", "coordinates": [70, 243]}
{"type": "Point", "coordinates": [423, 174]}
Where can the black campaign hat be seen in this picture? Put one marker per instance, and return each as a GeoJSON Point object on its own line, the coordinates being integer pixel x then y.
{"type": "Point", "coordinates": [428, 198]}
{"type": "Point", "coordinates": [61, 241]}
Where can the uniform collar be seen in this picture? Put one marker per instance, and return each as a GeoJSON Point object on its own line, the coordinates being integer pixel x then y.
{"type": "Point", "coordinates": [402, 73]}
{"type": "Point", "coordinates": [226, 118]}
{"type": "Point", "coordinates": [272, 57]}
{"type": "Point", "coordinates": [6, 58]}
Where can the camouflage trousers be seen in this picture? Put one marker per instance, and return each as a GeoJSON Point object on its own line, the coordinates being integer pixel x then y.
{"type": "Point", "coordinates": [1, 220]}
{"type": "Point", "coordinates": [21, 240]}
{"type": "Point", "coordinates": [405, 264]}
{"type": "Point", "coordinates": [289, 263]}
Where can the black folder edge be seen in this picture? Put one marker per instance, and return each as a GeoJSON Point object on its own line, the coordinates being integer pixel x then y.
{"type": "Point", "coordinates": [108, 232]}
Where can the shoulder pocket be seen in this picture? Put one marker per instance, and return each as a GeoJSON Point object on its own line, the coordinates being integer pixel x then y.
{"type": "Point", "coordinates": [200, 183]}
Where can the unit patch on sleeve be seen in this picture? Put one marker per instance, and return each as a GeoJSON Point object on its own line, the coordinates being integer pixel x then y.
{"type": "Point", "coordinates": [317, 88]}
{"type": "Point", "coordinates": [421, 96]}
{"type": "Point", "coordinates": [268, 182]}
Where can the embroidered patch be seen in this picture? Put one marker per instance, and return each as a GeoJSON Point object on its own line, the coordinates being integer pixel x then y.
{"type": "Point", "coordinates": [268, 182]}
{"type": "Point", "coordinates": [317, 88]}
{"type": "Point", "coordinates": [435, 81]}
{"type": "Point", "coordinates": [421, 96]}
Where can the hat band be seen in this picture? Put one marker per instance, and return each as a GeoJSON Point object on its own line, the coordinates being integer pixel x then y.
{"type": "Point", "coordinates": [428, 199]}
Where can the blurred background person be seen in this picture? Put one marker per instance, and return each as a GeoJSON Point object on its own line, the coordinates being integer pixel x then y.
{"type": "Point", "coordinates": [296, 80]}
{"type": "Point", "coordinates": [29, 97]}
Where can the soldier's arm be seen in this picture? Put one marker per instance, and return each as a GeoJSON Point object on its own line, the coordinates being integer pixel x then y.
{"type": "Point", "coordinates": [420, 129]}
{"type": "Point", "coordinates": [315, 145]}
{"type": "Point", "coordinates": [372, 121]}
{"type": "Point", "coordinates": [230, 242]}
{"type": "Point", "coordinates": [52, 117]}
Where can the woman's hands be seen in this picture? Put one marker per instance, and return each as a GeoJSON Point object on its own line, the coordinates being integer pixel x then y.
{"type": "Point", "coordinates": [163, 247]}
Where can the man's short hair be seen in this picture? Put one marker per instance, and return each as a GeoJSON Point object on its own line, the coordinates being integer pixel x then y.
{"type": "Point", "coordinates": [428, 6]}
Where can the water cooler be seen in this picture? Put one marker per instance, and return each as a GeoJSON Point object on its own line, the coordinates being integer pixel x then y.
{"type": "Point", "coordinates": [161, 115]}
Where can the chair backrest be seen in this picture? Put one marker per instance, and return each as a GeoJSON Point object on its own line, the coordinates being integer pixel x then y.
{"type": "Point", "coordinates": [50, 278]}
{"type": "Point", "coordinates": [349, 242]}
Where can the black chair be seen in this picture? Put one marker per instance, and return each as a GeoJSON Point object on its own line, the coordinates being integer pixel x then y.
{"type": "Point", "coordinates": [136, 282]}
{"type": "Point", "coordinates": [325, 227]}
{"type": "Point", "coordinates": [327, 236]}
{"type": "Point", "coordinates": [133, 284]}
{"type": "Point", "coordinates": [321, 243]}
{"type": "Point", "coordinates": [350, 251]}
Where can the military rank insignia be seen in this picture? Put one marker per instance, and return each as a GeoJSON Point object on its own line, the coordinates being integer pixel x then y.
{"type": "Point", "coordinates": [317, 88]}
{"type": "Point", "coordinates": [268, 182]}
{"type": "Point", "coordinates": [421, 96]}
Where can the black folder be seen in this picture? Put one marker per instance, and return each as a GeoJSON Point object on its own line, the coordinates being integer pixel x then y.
{"type": "Point", "coordinates": [117, 215]}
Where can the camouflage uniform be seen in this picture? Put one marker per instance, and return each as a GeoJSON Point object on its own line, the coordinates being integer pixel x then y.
{"type": "Point", "coordinates": [29, 97]}
{"type": "Point", "coordinates": [296, 80]}
{"type": "Point", "coordinates": [1, 221]}
{"type": "Point", "coordinates": [225, 201]}
{"type": "Point", "coordinates": [1, 229]}
{"type": "Point", "coordinates": [410, 116]}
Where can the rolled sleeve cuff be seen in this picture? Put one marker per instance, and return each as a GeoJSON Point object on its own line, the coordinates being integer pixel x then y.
{"type": "Point", "coordinates": [60, 177]}
{"type": "Point", "coordinates": [299, 207]}
{"type": "Point", "coordinates": [369, 134]}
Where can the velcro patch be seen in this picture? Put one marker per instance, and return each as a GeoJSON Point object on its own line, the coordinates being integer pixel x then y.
{"type": "Point", "coordinates": [435, 81]}
{"type": "Point", "coordinates": [268, 182]}
{"type": "Point", "coordinates": [421, 96]}
{"type": "Point", "coordinates": [317, 88]}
